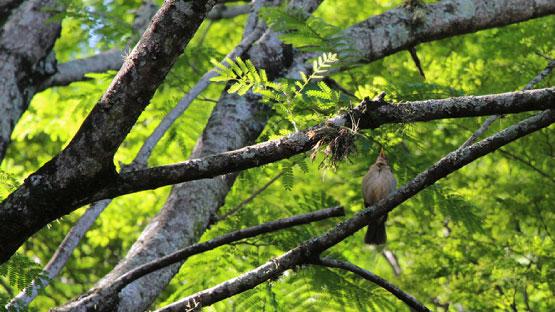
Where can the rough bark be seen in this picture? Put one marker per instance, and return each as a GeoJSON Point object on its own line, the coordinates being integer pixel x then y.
{"type": "Point", "coordinates": [143, 15]}
{"type": "Point", "coordinates": [309, 250]}
{"type": "Point", "coordinates": [87, 162]}
{"type": "Point", "coordinates": [484, 127]}
{"type": "Point", "coordinates": [6, 6]}
{"type": "Point", "coordinates": [235, 122]}
{"type": "Point", "coordinates": [370, 114]}
{"type": "Point", "coordinates": [24, 60]}
{"type": "Point", "coordinates": [396, 30]}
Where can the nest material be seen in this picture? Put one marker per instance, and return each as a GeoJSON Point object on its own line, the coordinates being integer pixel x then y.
{"type": "Point", "coordinates": [336, 143]}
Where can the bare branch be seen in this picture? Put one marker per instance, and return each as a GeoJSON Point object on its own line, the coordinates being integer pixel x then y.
{"type": "Point", "coordinates": [60, 257]}
{"type": "Point", "coordinates": [242, 204]}
{"type": "Point", "coordinates": [527, 163]}
{"type": "Point", "coordinates": [315, 246]}
{"type": "Point", "coordinates": [23, 24]}
{"type": "Point", "coordinates": [443, 19]}
{"type": "Point", "coordinates": [368, 114]}
{"type": "Point", "coordinates": [396, 291]}
{"type": "Point", "coordinates": [7, 6]}
{"type": "Point", "coordinates": [111, 291]}
{"type": "Point", "coordinates": [484, 127]}
{"type": "Point", "coordinates": [235, 122]}
{"type": "Point", "coordinates": [76, 70]}
{"type": "Point", "coordinates": [393, 262]}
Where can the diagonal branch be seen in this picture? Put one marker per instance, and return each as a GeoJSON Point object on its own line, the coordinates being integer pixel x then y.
{"type": "Point", "coordinates": [110, 291]}
{"type": "Point", "coordinates": [312, 248]}
{"type": "Point", "coordinates": [391, 258]}
{"type": "Point", "coordinates": [396, 291]}
{"type": "Point", "coordinates": [242, 204]}
{"type": "Point", "coordinates": [234, 123]}
{"type": "Point", "coordinates": [443, 19]}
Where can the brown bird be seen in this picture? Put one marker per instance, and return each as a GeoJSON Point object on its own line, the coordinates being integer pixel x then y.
{"type": "Point", "coordinates": [376, 185]}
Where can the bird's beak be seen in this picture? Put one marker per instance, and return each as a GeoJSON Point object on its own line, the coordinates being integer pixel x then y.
{"type": "Point", "coordinates": [382, 153]}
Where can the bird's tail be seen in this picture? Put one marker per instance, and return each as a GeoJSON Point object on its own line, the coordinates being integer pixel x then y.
{"type": "Point", "coordinates": [375, 234]}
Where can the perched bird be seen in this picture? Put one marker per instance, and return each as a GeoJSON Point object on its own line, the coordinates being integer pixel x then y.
{"type": "Point", "coordinates": [376, 185]}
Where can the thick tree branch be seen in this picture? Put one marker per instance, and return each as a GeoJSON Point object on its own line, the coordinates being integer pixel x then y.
{"type": "Point", "coordinates": [109, 292]}
{"type": "Point", "coordinates": [6, 6]}
{"type": "Point", "coordinates": [146, 149]}
{"type": "Point", "coordinates": [24, 59]}
{"type": "Point", "coordinates": [60, 257]}
{"type": "Point", "coordinates": [368, 115]}
{"type": "Point", "coordinates": [312, 248]}
{"type": "Point", "coordinates": [88, 159]}
{"type": "Point", "coordinates": [143, 15]}
{"type": "Point", "coordinates": [394, 30]}
{"type": "Point", "coordinates": [396, 291]}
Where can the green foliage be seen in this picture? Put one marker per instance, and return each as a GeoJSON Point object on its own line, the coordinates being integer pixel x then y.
{"type": "Point", "coordinates": [309, 33]}
{"type": "Point", "coordinates": [288, 95]}
{"type": "Point", "coordinates": [19, 272]}
{"type": "Point", "coordinates": [8, 183]}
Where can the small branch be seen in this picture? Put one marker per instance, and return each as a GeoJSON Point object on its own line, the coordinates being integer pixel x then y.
{"type": "Point", "coordinates": [315, 246]}
{"type": "Point", "coordinates": [242, 204]}
{"type": "Point", "coordinates": [117, 285]}
{"type": "Point", "coordinates": [527, 163]}
{"type": "Point", "coordinates": [77, 70]}
{"type": "Point", "coordinates": [392, 260]}
{"type": "Point", "coordinates": [484, 127]}
{"type": "Point", "coordinates": [221, 11]}
{"type": "Point", "coordinates": [60, 257]}
{"type": "Point", "coordinates": [396, 291]}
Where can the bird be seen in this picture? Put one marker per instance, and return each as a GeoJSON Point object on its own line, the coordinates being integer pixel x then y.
{"type": "Point", "coordinates": [376, 185]}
